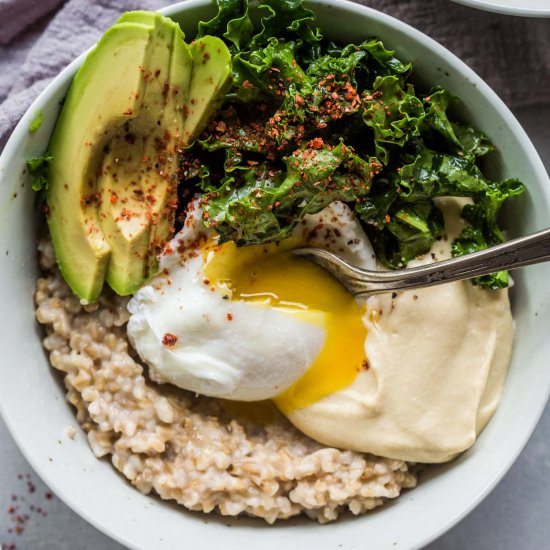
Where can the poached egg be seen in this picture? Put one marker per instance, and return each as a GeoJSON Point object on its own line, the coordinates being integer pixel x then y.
{"type": "Point", "coordinates": [255, 322]}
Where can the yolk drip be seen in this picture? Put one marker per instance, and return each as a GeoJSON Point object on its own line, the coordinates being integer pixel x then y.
{"type": "Point", "coordinates": [270, 275]}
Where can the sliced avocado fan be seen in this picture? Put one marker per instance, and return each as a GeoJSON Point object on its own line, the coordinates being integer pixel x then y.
{"type": "Point", "coordinates": [112, 188]}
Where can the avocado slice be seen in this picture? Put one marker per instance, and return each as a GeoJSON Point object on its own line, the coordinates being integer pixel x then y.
{"type": "Point", "coordinates": [142, 17]}
{"type": "Point", "coordinates": [113, 179]}
{"type": "Point", "coordinates": [124, 209]}
{"type": "Point", "coordinates": [210, 81]}
{"type": "Point", "coordinates": [96, 106]}
{"type": "Point", "coordinates": [163, 207]}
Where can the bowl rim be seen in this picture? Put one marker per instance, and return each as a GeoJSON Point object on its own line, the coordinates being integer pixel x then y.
{"type": "Point", "coordinates": [496, 6]}
{"type": "Point", "coordinates": [65, 77]}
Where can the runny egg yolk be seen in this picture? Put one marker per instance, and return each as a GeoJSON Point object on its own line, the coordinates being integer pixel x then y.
{"type": "Point", "coordinates": [270, 276]}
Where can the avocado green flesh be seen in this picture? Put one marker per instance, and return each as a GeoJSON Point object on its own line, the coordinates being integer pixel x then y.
{"type": "Point", "coordinates": [147, 18]}
{"type": "Point", "coordinates": [210, 81]}
{"type": "Point", "coordinates": [126, 222]}
{"type": "Point", "coordinates": [125, 227]}
{"type": "Point", "coordinates": [87, 122]}
{"type": "Point", "coordinates": [128, 114]}
{"type": "Point", "coordinates": [165, 196]}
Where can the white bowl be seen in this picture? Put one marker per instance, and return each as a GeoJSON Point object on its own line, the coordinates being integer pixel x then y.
{"type": "Point", "coordinates": [524, 8]}
{"type": "Point", "coordinates": [32, 397]}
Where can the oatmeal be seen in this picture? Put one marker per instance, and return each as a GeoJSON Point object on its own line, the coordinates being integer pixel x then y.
{"type": "Point", "coordinates": [194, 450]}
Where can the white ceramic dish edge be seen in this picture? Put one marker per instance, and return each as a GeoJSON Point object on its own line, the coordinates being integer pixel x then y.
{"type": "Point", "coordinates": [507, 7]}
{"type": "Point", "coordinates": [60, 486]}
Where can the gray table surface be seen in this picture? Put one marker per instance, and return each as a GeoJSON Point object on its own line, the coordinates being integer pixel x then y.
{"type": "Point", "coordinates": [513, 516]}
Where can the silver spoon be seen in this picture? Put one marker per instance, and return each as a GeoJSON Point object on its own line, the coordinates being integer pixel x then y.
{"type": "Point", "coordinates": [532, 249]}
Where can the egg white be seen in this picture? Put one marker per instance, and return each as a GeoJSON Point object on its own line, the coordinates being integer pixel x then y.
{"type": "Point", "coordinates": [221, 347]}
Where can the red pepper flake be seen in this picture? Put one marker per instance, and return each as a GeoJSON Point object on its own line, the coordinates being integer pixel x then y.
{"type": "Point", "coordinates": [365, 365]}
{"type": "Point", "coordinates": [113, 198]}
{"type": "Point", "coordinates": [316, 143]}
{"type": "Point", "coordinates": [128, 112]}
{"type": "Point", "coordinates": [221, 127]}
{"type": "Point", "coordinates": [169, 340]}
{"type": "Point", "coordinates": [247, 85]}
{"type": "Point", "coordinates": [229, 317]}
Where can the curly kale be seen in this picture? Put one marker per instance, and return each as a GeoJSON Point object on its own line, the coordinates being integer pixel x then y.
{"type": "Point", "coordinates": [308, 121]}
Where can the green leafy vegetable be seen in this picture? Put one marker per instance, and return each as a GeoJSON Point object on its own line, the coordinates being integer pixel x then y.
{"type": "Point", "coordinates": [472, 240]}
{"type": "Point", "coordinates": [36, 122]}
{"type": "Point", "coordinates": [288, 19]}
{"type": "Point", "coordinates": [394, 114]}
{"type": "Point", "coordinates": [231, 22]}
{"type": "Point", "coordinates": [309, 121]}
{"type": "Point", "coordinates": [260, 73]}
{"type": "Point", "coordinates": [400, 232]}
{"type": "Point", "coordinates": [484, 212]}
{"type": "Point", "coordinates": [389, 64]}
{"type": "Point", "coordinates": [256, 204]}
{"type": "Point", "coordinates": [38, 169]}
{"type": "Point", "coordinates": [464, 140]}
{"type": "Point", "coordinates": [405, 209]}
{"type": "Point", "coordinates": [316, 99]}
{"type": "Point", "coordinates": [378, 62]}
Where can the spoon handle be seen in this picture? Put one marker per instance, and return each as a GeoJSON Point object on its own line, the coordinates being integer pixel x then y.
{"type": "Point", "coordinates": [520, 252]}
{"type": "Point", "coordinates": [523, 251]}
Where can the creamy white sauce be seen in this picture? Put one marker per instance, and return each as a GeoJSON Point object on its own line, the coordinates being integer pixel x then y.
{"type": "Point", "coordinates": [437, 362]}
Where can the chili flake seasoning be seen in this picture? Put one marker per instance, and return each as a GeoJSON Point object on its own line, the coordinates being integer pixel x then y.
{"type": "Point", "coordinates": [169, 340]}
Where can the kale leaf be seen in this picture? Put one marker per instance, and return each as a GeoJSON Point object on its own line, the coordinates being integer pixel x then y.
{"type": "Point", "coordinates": [472, 240]}
{"type": "Point", "coordinates": [404, 217]}
{"type": "Point", "coordinates": [394, 114]}
{"type": "Point", "coordinates": [463, 139]}
{"type": "Point", "coordinates": [38, 169]}
{"type": "Point", "coordinates": [256, 204]}
{"type": "Point", "coordinates": [309, 121]}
